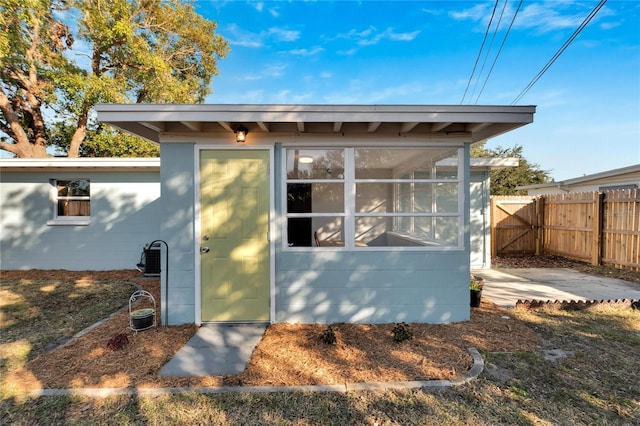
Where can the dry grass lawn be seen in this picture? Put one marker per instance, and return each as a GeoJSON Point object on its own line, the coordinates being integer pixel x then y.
{"type": "Point", "coordinates": [289, 354]}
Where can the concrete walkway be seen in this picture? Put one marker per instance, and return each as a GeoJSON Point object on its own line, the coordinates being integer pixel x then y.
{"type": "Point", "coordinates": [505, 287]}
{"type": "Point", "coordinates": [216, 350]}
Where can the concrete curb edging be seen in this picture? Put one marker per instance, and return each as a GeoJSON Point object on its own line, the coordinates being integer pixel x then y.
{"type": "Point", "coordinates": [474, 372]}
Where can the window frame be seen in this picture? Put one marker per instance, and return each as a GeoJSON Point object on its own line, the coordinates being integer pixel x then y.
{"type": "Point", "coordinates": [55, 199]}
{"type": "Point", "coordinates": [350, 214]}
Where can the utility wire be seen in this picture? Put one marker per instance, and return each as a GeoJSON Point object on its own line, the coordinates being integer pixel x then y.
{"type": "Point", "coordinates": [493, 37]}
{"type": "Point", "coordinates": [486, 33]}
{"type": "Point", "coordinates": [562, 49]}
{"type": "Point", "coordinates": [499, 50]}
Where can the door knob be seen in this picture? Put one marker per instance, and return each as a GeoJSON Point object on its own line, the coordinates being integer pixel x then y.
{"type": "Point", "coordinates": [204, 249]}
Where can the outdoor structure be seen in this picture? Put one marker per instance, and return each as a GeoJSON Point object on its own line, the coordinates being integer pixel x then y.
{"type": "Point", "coordinates": [314, 213]}
{"type": "Point", "coordinates": [623, 178]}
{"type": "Point", "coordinates": [77, 213]}
{"type": "Point", "coordinates": [122, 213]}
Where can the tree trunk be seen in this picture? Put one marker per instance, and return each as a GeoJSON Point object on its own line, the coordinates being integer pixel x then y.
{"type": "Point", "coordinates": [78, 137]}
{"type": "Point", "coordinates": [22, 147]}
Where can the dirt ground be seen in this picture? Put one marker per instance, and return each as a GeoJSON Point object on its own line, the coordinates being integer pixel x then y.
{"type": "Point", "coordinates": [288, 354]}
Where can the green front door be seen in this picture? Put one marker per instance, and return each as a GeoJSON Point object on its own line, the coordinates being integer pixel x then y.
{"type": "Point", "coordinates": [234, 246]}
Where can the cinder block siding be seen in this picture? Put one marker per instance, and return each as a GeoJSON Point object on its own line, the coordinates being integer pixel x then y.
{"type": "Point", "coordinates": [124, 217]}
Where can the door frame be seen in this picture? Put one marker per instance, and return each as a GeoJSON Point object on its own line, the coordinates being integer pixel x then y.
{"type": "Point", "coordinates": [198, 221]}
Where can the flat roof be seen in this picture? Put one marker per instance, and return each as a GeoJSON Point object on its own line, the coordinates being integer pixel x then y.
{"type": "Point", "coordinates": [71, 164]}
{"type": "Point", "coordinates": [477, 122]}
{"type": "Point", "coordinates": [629, 170]}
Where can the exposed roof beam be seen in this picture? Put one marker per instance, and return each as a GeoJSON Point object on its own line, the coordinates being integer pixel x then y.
{"type": "Point", "coordinates": [196, 126]}
{"type": "Point", "coordinates": [406, 127]}
{"type": "Point", "coordinates": [439, 126]}
{"type": "Point", "coordinates": [337, 126]}
{"type": "Point", "coordinates": [137, 129]}
{"type": "Point", "coordinates": [373, 126]}
{"type": "Point", "coordinates": [226, 126]}
{"type": "Point", "coordinates": [264, 126]}
{"type": "Point", "coordinates": [474, 127]}
{"type": "Point", "coordinates": [300, 126]}
{"type": "Point", "coordinates": [156, 126]}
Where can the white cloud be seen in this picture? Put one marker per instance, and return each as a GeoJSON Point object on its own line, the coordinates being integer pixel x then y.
{"type": "Point", "coordinates": [259, 6]}
{"type": "Point", "coordinates": [237, 36]}
{"type": "Point", "coordinates": [348, 52]}
{"type": "Point", "coordinates": [307, 52]}
{"type": "Point", "coordinates": [371, 36]}
{"type": "Point", "coordinates": [542, 17]}
{"type": "Point", "coordinates": [269, 71]}
{"type": "Point", "coordinates": [284, 35]}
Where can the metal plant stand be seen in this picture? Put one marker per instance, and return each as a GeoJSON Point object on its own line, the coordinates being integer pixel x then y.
{"type": "Point", "coordinates": [144, 317]}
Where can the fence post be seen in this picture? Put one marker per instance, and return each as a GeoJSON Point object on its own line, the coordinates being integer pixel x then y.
{"type": "Point", "coordinates": [492, 212]}
{"type": "Point", "coordinates": [597, 226]}
{"type": "Point", "coordinates": [539, 224]}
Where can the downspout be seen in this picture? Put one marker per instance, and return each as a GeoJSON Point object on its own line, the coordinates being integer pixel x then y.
{"type": "Point", "coordinates": [165, 299]}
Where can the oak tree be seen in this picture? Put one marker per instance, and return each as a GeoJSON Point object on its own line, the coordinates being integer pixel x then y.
{"type": "Point", "coordinates": [505, 181]}
{"type": "Point", "coordinates": [58, 58]}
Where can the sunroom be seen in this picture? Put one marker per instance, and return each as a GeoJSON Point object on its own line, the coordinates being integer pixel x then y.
{"type": "Point", "coordinates": [316, 213]}
{"type": "Point", "coordinates": [373, 198]}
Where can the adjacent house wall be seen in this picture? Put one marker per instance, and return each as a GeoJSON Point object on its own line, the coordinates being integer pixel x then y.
{"type": "Point", "coordinates": [124, 217]}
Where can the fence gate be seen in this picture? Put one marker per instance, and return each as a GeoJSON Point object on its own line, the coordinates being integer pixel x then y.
{"type": "Point", "coordinates": [514, 225]}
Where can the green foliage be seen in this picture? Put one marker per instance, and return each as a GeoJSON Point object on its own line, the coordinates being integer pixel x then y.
{"type": "Point", "coordinates": [104, 141]}
{"type": "Point", "coordinates": [402, 332]}
{"type": "Point", "coordinates": [505, 181]}
{"type": "Point", "coordinates": [329, 336]}
{"type": "Point", "coordinates": [475, 284]}
{"type": "Point", "coordinates": [120, 51]}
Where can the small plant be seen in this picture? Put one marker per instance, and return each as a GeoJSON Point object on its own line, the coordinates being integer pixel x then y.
{"type": "Point", "coordinates": [329, 336]}
{"type": "Point", "coordinates": [117, 341]}
{"type": "Point", "coordinates": [402, 332]}
{"type": "Point", "coordinates": [475, 283]}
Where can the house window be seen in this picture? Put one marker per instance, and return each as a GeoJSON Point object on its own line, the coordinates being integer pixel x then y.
{"type": "Point", "coordinates": [374, 197]}
{"type": "Point", "coordinates": [315, 197]}
{"type": "Point", "coordinates": [71, 202]}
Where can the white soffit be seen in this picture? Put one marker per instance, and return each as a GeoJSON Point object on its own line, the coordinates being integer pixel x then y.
{"type": "Point", "coordinates": [475, 122]}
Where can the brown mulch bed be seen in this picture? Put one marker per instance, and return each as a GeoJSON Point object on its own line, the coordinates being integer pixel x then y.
{"type": "Point", "coordinates": [288, 354]}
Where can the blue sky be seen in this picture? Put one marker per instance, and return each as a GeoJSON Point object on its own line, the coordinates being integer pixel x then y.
{"type": "Point", "coordinates": [423, 52]}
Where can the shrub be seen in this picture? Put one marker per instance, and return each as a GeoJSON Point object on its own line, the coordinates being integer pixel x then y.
{"type": "Point", "coordinates": [329, 336]}
{"type": "Point", "coordinates": [401, 332]}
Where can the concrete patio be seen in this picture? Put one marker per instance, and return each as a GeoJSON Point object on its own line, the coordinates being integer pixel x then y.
{"type": "Point", "coordinates": [505, 287]}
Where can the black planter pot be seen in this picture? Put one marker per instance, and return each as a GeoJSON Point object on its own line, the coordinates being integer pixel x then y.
{"type": "Point", "coordinates": [142, 319]}
{"type": "Point", "coordinates": [476, 296]}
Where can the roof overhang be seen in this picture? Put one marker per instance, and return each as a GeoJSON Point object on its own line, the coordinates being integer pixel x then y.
{"type": "Point", "coordinates": [80, 164]}
{"type": "Point", "coordinates": [629, 171]}
{"type": "Point", "coordinates": [493, 163]}
{"type": "Point", "coordinates": [472, 122]}
{"type": "Point", "coordinates": [153, 164]}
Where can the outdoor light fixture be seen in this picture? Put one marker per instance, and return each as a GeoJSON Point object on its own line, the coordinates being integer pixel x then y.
{"type": "Point", "coordinates": [306, 160]}
{"type": "Point", "coordinates": [241, 134]}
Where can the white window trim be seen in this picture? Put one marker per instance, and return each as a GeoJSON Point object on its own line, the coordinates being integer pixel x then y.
{"type": "Point", "coordinates": [65, 220]}
{"type": "Point", "coordinates": [349, 214]}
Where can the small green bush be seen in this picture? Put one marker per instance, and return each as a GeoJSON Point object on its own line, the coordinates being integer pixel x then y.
{"type": "Point", "coordinates": [329, 336]}
{"type": "Point", "coordinates": [402, 332]}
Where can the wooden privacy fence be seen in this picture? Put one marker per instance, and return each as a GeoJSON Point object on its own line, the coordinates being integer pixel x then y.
{"type": "Point", "coordinates": [594, 227]}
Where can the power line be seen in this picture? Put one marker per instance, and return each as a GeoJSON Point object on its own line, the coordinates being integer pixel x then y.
{"type": "Point", "coordinates": [561, 50]}
{"type": "Point", "coordinates": [499, 50]}
{"type": "Point", "coordinates": [486, 33]}
{"type": "Point", "coordinates": [493, 37]}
